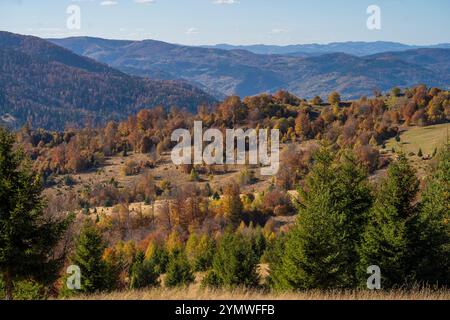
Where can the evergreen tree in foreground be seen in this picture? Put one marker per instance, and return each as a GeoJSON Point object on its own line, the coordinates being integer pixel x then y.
{"type": "Point", "coordinates": [431, 244]}
{"type": "Point", "coordinates": [27, 235]}
{"type": "Point", "coordinates": [388, 237]}
{"type": "Point", "coordinates": [320, 252]}
{"type": "Point", "coordinates": [88, 256]}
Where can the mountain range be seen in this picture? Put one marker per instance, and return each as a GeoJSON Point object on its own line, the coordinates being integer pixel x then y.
{"type": "Point", "coordinates": [223, 72]}
{"type": "Point", "coordinates": [51, 87]}
{"type": "Point", "coordinates": [356, 48]}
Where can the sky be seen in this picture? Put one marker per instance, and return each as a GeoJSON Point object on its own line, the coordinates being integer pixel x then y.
{"type": "Point", "coordinates": [239, 22]}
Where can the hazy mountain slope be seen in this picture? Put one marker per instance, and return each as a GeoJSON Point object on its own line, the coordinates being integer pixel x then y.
{"type": "Point", "coordinates": [245, 73]}
{"type": "Point", "coordinates": [50, 86]}
{"type": "Point", "coordinates": [437, 60]}
{"type": "Point", "coordinates": [357, 48]}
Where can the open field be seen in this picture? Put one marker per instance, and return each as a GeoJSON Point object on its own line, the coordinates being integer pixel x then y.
{"type": "Point", "coordinates": [194, 293]}
{"type": "Point", "coordinates": [425, 138]}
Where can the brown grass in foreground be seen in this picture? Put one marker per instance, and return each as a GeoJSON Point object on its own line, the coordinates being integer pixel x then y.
{"type": "Point", "coordinates": [193, 293]}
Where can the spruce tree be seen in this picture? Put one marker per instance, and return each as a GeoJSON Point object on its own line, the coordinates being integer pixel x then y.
{"type": "Point", "coordinates": [179, 272]}
{"type": "Point", "coordinates": [27, 235]}
{"type": "Point", "coordinates": [431, 247]}
{"type": "Point", "coordinates": [235, 262]}
{"type": "Point", "coordinates": [387, 238]}
{"type": "Point", "coordinates": [88, 256]}
{"type": "Point", "coordinates": [321, 249]}
{"type": "Point", "coordinates": [142, 273]}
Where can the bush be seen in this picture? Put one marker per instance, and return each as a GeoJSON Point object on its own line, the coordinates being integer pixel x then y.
{"type": "Point", "coordinates": [130, 168]}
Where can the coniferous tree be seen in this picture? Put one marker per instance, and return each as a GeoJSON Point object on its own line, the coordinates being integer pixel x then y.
{"type": "Point", "coordinates": [27, 235]}
{"type": "Point", "coordinates": [321, 250]}
{"type": "Point", "coordinates": [142, 273]}
{"type": "Point", "coordinates": [179, 272]}
{"type": "Point", "coordinates": [387, 238]}
{"type": "Point", "coordinates": [157, 254]}
{"type": "Point", "coordinates": [431, 246]}
{"type": "Point", "coordinates": [274, 256]}
{"type": "Point", "coordinates": [235, 263]}
{"type": "Point", "coordinates": [88, 256]}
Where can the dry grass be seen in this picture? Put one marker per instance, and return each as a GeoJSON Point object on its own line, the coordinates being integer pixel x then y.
{"type": "Point", "coordinates": [194, 293]}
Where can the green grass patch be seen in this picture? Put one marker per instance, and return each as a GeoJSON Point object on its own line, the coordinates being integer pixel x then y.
{"type": "Point", "coordinates": [425, 138]}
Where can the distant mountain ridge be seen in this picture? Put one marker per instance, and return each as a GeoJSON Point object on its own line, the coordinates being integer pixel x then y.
{"type": "Point", "coordinates": [357, 48]}
{"type": "Point", "coordinates": [52, 86]}
{"type": "Point", "coordinates": [226, 72]}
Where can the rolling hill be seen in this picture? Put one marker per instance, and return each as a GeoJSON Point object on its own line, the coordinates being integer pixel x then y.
{"type": "Point", "coordinates": [51, 86]}
{"type": "Point", "coordinates": [226, 72]}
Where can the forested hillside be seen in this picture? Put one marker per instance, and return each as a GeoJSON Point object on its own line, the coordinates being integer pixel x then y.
{"type": "Point", "coordinates": [52, 87]}
{"type": "Point", "coordinates": [345, 198]}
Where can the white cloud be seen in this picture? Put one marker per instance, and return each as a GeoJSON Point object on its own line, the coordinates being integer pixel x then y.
{"type": "Point", "coordinates": [278, 31]}
{"type": "Point", "coordinates": [144, 1]}
{"type": "Point", "coordinates": [192, 31]}
{"type": "Point", "coordinates": [109, 3]}
{"type": "Point", "coordinates": [226, 1]}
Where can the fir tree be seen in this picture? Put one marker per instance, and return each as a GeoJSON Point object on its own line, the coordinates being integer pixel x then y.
{"type": "Point", "coordinates": [235, 262]}
{"type": "Point", "coordinates": [142, 273]}
{"type": "Point", "coordinates": [179, 272]}
{"type": "Point", "coordinates": [387, 238]}
{"type": "Point", "coordinates": [88, 256]}
{"type": "Point", "coordinates": [321, 250]}
{"type": "Point", "coordinates": [27, 235]}
{"type": "Point", "coordinates": [431, 246]}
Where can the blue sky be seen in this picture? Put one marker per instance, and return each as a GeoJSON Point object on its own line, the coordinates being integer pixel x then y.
{"type": "Point", "coordinates": [196, 22]}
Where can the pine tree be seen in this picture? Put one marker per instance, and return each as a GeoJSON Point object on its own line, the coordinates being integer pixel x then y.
{"type": "Point", "coordinates": [387, 239]}
{"type": "Point", "coordinates": [235, 262]}
{"type": "Point", "coordinates": [27, 235]}
{"type": "Point", "coordinates": [142, 273]}
{"type": "Point", "coordinates": [179, 272]}
{"type": "Point", "coordinates": [431, 258]}
{"type": "Point", "coordinates": [321, 250]}
{"type": "Point", "coordinates": [88, 256]}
